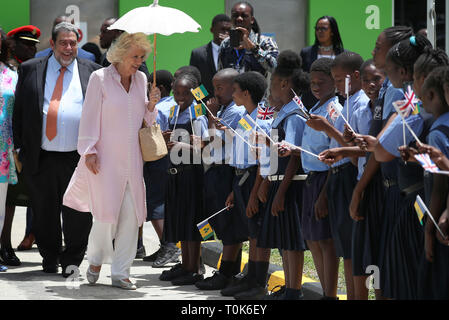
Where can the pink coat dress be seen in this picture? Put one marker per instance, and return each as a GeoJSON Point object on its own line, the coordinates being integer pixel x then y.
{"type": "Point", "coordinates": [109, 126]}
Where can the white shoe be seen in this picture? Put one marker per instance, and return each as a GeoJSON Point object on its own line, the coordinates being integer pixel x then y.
{"type": "Point", "coordinates": [123, 284]}
{"type": "Point", "coordinates": [92, 277]}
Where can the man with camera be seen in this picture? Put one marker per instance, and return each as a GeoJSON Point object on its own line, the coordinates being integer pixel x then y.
{"type": "Point", "coordinates": [246, 49]}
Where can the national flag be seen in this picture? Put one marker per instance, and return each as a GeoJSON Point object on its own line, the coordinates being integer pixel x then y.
{"type": "Point", "coordinates": [173, 111]}
{"type": "Point", "coordinates": [426, 162]}
{"type": "Point", "coordinates": [420, 208]}
{"type": "Point", "coordinates": [197, 111]}
{"type": "Point", "coordinates": [200, 93]}
{"type": "Point", "coordinates": [334, 110]}
{"type": "Point", "coordinates": [417, 107]}
{"type": "Point", "coordinates": [205, 229]}
{"type": "Point", "coordinates": [246, 122]}
{"type": "Point", "coordinates": [301, 106]}
{"type": "Point", "coordinates": [409, 105]}
{"type": "Point", "coordinates": [265, 112]}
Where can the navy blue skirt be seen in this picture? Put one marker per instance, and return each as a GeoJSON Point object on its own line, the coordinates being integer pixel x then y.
{"type": "Point", "coordinates": [156, 179]}
{"type": "Point", "coordinates": [403, 252]}
{"type": "Point", "coordinates": [284, 231]}
{"type": "Point", "coordinates": [339, 193]}
{"type": "Point", "coordinates": [241, 197]}
{"type": "Point", "coordinates": [313, 229]}
{"type": "Point", "coordinates": [229, 226]}
{"type": "Point", "coordinates": [184, 205]}
{"type": "Point", "coordinates": [366, 233]}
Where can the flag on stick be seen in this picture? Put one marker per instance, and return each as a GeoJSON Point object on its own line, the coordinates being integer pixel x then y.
{"type": "Point", "coordinates": [396, 106]}
{"type": "Point", "coordinates": [428, 164]}
{"type": "Point", "coordinates": [205, 230]}
{"type": "Point", "coordinates": [197, 111]}
{"type": "Point", "coordinates": [421, 210]}
{"type": "Point", "coordinates": [301, 106]}
{"type": "Point", "coordinates": [199, 93]}
{"type": "Point", "coordinates": [265, 113]}
{"type": "Point", "coordinates": [245, 122]}
{"type": "Point", "coordinates": [173, 111]}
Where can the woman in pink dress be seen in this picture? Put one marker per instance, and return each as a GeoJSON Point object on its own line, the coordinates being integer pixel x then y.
{"type": "Point", "coordinates": [109, 178]}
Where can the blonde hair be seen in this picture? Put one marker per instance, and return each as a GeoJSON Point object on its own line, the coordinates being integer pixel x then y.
{"type": "Point", "coordinates": [121, 46]}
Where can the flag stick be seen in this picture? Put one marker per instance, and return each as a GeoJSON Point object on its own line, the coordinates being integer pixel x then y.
{"type": "Point", "coordinates": [212, 216]}
{"type": "Point", "coordinates": [405, 122]}
{"type": "Point", "coordinates": [263, 131]}
{"type": "Point", "coordinates": [303, 109]}
{"type": "Point", "coordinates": [300, 148]}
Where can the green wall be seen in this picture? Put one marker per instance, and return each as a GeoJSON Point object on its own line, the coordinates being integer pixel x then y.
{"type": "Point", "coordinates": [174, 51]}
{"type": "Point", "coordinates": [359, 29]}
{"type": "Point", "coordinates": [14, 14]}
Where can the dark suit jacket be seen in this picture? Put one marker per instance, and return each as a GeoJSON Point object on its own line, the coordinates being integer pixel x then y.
{"type": "Point", "coordinates": [310, 54]}
{"type": "Point", "coordinates": [203, 59]}
{"type": "Point", "coordinates": [28, 107]}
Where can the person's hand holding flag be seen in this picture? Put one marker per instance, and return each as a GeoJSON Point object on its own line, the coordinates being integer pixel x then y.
{"type": "Point", "coordinates": [443, 224]}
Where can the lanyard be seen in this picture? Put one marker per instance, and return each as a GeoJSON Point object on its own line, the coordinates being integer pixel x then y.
{"type": "Point", "coordinates": [239, 56]}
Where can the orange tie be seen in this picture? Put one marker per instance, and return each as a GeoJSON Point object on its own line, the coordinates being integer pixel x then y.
{"type": "Point", "coordinates": [52, 114]}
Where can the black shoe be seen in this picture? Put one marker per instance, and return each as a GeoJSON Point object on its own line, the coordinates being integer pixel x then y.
{"type": "Point", "coordinates": [276, 294]}
{"type": "Point", "coordinates": [152, 257]}
{"type": "Point", "coordinates": [217, 282]}
{"type": "Point", "coordinates": [254, 293]}
{"type": "Point", "coordinates": [50, 269]}
{"type": "Point", "coordinates": [140, 254]}
{"type": "Point", "coordinates": [239, 283]}
{"type": "Point", "coordinates": [187, 279]}
{"type": "Point", "coordinates": [175, 272]}
{"type": "Point", "coordinates": [8, 257]}
{"type": "Point", "coordinates": [329, 298]}
{"type": "Point", "coordinates": [167, 255]}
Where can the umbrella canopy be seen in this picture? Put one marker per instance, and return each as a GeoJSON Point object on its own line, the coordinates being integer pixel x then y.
{"type": "Point", "coordinates": [156, 19]}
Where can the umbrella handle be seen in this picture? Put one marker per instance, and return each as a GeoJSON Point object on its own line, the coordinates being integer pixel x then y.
{"type": "Point", "coordinates": [154, 60]}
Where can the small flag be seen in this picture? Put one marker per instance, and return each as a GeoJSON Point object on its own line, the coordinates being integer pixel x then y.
{"type": "Point", "coordinates": [420, 208]}
{"type": "Point", "coordinates": [409, 105]}
{"type": "Point", "coordinates": [197, 111]}
{"type": "Point", "coordinates": [265, 112]}
{"type": "Point", "coordinates": [426, 162]}
{"type": "Point", "coordinates": [347, 84]}
{"type": "Point", "coordinates": [245, 122]}
{"type": "Point", "coordinates": [200, 93]}
{"type": "Point", "coordinates": [205, 229]}
{"type": "Point", "coordinates": [301, 106]}
{"type": "Point", "coordinates": [417, 108]}
{"type": "Point", "coordinates": [334, 110]}
{"type": "Point", "coordinates": [173, 111]}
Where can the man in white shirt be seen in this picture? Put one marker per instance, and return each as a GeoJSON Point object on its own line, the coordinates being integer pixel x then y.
{"type": "Point", "coordinates": [205, 58]}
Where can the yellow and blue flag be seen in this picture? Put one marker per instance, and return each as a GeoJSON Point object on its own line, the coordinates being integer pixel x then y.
{"type": "Point", "coordinates": [197, 111]}
{"type": "Point", "coordinates": [246, 122]}
{"type": "Point", "coordinates": [200, 93]}
{"type": "Point", "coordinates": [173, 111]}
{"type": "Point", "coordinates": [205, 229]}
{"type": "Point", "coordinates": [420, 208]}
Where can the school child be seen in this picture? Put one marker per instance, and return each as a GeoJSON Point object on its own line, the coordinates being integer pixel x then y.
{"type": "Point", "coordinates": [281, 226]}
{"type": "Point", "coordinates": [402, 235]}
{"type": "Point", "coordinates": [249, 89]}
{"type": "Point", "coordinates": [184, 204]}
{"type": "Point", "coordinates": [314, 216]}
{"type": "Point", "coordinates": [368, 220]}
{"type": "Point", "coordinates": [156, 177]}
{"type": "Point", "coordinates": [229, 226]}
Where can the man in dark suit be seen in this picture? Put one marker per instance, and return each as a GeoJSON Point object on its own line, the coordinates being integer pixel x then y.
{"type": "Point", "coordinates": [205, 58]}
{"type": "Point", "coordinates": [47, 110]}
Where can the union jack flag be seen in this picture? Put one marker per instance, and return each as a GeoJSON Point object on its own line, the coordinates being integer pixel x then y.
{"type": "Point", "coordinates": [265, 112]}
{"type": "Point", "coordinates": [410, 103]}
{"type": "Point", "coordinates": [427, 163]}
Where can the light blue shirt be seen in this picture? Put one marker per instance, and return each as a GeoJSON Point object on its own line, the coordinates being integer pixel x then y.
{"type": "Point", "coordinates": [316, 141]}
{"type": "Point", "coordinates": [230, 116]}
{"type": "Point", "coordinates": [392, 94]}
{"type": "Point", "coordinates": [437, 138]}
{"type": "Point", "coordinates": [354, 102]}
{"type": "Point", "coordinates": [393, 136]}
{"type": "Point", "coordinates": [199, 125]}
{"type": "Point", "coordinates": [70, 107]}
{"type": "Point", "coordinates": [242, 157]}
{"type": "Point", "coordinates": [163, 111]}
{"type": "Point", "coordinates": [361, 122]}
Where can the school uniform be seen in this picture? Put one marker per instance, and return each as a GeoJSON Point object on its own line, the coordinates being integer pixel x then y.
{"type": "Point", "coordinates": [245, 172]}
{"type": "Point", "coordinates": [155, 172]}
{"type": "Point", "coordinates": [284, 231]}
{"type": "Point", "coordinates": [317, 172]}
{"type": "Point", "coordinates": [184, 201]}
{"type": "Point", "coordinates": [403, 233]}
{"type": "Point", "coordinates": [341, 183]}
{"type": "Point", "coordinates": [433, 281]}
{"type": "Point", "coordinates": [366, 233]}
{"type": "Point", "coordinates": [229, 226]}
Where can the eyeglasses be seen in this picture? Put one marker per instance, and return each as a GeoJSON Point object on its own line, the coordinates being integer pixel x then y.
{"type": "Point", "coordinates": [322, 29]}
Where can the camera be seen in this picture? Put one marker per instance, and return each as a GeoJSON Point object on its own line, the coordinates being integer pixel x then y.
{"type": "Point", "coordinates": [235, 37]}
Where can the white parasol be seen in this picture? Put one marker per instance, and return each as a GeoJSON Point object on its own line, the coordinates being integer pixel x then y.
{"type": "Point", "coordinates": [155, 19]}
